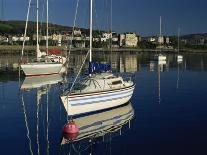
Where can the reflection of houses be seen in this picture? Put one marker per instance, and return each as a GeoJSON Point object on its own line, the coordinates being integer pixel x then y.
{"type": "Point", "coordinates": [131, 63]}
{"type": "Point", "coordinates": [128, 63]}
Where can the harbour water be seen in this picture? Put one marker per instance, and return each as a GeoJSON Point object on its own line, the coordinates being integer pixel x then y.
{"type": "Point", "coordinates": [166, 115]}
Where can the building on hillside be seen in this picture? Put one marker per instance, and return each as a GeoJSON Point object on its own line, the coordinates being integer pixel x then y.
{"type": "Point", "coordinates": [152, 40]}
{"type": "Point", "coordinates": [131, 40]}
{"type": "Point", "coordinates": [106, 35]}
{"type": "Point", "coordinates": [167, 40]}
{"type": "Point", "coordinates": [77, 32]}
{"type": "Point", "coordinates": [161, 40]}
{"type": "Point", "coordinates": [121, 40]}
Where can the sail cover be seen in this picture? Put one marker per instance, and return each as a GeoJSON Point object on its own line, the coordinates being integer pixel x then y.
{"type": "Point", "coordinates": [95, 67]}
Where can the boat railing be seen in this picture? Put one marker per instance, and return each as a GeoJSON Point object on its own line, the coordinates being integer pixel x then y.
{"type": "Point", "coordinates": [78, 84]}
{"type": "Point", "coordinates": [127, 76]}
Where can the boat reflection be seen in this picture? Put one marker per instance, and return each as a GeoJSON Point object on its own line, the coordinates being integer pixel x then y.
{"type": "Point", "coordinates": [95, 128]}
{"type": "Point", "coordinates": [40, 81]}
{"type": "Point", "coordinates": [42, 85]}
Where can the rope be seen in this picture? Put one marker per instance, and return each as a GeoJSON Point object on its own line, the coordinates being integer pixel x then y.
{"type": "Point", "coordinates": [74, 23]}
{"type": "Point", "coordinates": [71, 88]}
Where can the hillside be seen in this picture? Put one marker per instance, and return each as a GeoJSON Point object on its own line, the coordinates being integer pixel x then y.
{"type": "Point", "coordinates": [17, 27]}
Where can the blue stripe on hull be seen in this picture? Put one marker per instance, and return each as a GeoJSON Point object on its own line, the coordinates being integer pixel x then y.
{"type": "Point", "coordinates": [106, 100]}
{"type": "Point", "coordinates": [101, 96]}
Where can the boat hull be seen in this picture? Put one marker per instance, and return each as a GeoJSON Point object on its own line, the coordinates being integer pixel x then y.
{"type": "Point", "coordinates": [37, 69]}
{"type": "Point", "coordinates": [90, 102]}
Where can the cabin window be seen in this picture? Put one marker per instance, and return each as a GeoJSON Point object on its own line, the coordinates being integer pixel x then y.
{"type": "Point", "coordinates": [116, 82]}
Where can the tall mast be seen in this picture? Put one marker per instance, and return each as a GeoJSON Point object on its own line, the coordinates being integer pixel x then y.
{"type": "Point", "coordinates": [178, 40]}
{"type": "Point", "coordinates": [91, 28]}
{"type": "Point", "coordinates": [160, 32]}
{"type": "Point", "coordinates": [160, 26]}
{"type": "Point", "coordinates": [37, 39]}
{"type": "Point", "coordinates": [47, 27]}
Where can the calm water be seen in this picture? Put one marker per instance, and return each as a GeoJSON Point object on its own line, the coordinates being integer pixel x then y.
{"type": "Point", "coordinates": [169, 106]}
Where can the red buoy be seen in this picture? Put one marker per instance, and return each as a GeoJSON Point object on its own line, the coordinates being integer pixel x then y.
{"type": "Point", "coordinates": [70, 130]}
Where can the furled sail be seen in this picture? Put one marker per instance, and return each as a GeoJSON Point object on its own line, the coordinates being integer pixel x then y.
{"type": "Point", "coordinates": [95, 67]}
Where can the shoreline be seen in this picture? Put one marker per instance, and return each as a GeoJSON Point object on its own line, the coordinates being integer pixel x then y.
{"type": "Point", "coordinates": [16, 49]}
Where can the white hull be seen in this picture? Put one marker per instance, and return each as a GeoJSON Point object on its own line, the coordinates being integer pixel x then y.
{"type": "Point", "coordinates": [85, 103]}
{"type": "Point", "coordinates": [35, 69]}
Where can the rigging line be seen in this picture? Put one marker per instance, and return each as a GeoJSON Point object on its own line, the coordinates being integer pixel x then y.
{"type": "Point", "coordinates": [27, 127]}
{"type": "Point", "coordinates": [111, 30]}
{"type": "Point", "coordinates": [71, 88]}
{"type": "Point", "coordinates": [78, 72]}
{"type": "Point", "coordinates": [25, 31]}
{"type": "Point", "coordinates": [74, 23]}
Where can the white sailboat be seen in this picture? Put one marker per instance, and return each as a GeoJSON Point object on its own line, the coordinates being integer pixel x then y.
{"type": "Point", "coordinates": [99, 124]}
{"type": "Point", "coordinates": [98, 91]}
{"type": "Point", "coordinates": [179, 57]}
{"type": "Point", "coordinates": [160, 57]}
{"type": "Point", "coordinates": [42, 66]}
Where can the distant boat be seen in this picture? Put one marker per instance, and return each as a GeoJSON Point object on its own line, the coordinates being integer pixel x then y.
{"type": "Point", "coordinates": [99, 124]}
{"type": "Point", "coordinates": [160, 57]}
{"type": "Point", "coordinates": [41, 66]}
{"type": "Point", "coordinates": [100, 90]}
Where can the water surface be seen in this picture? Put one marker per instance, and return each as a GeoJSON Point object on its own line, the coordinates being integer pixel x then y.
{"type": "Point", "coordinates": [169, 104]}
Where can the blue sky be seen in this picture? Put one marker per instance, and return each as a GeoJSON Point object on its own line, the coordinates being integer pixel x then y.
{"type": "Point", "coordinates": [141, 16]}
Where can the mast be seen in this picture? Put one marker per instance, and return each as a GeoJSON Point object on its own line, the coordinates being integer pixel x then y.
{"type": "Point", "coordinates": [160, 40]}
{"type": "Point", "coordinates": [91, 29]}
{"type": "Point", "coordinates": [47, 27]}
{"type": "Point", "coordinates": [37, 39]}
{"type": "Point", "coordinates": [178, 40]}
{"type": "Point", "coordinates": [160, 27]}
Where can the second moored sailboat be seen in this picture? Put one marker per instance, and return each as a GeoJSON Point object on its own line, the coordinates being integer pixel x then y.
{"type": "Point", "coordinates": [42, 65]}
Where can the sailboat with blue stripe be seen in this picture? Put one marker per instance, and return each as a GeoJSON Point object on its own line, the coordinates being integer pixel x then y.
{"type": "Point", "coordinates": [100, 90]}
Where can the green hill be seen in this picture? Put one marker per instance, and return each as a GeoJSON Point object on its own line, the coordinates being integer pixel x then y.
{"type": "Point", "coordinates": [17, 27]}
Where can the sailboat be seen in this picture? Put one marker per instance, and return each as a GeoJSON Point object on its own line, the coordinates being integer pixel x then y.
{"type": "Point", "coordinates": [160, 57]}
{"type": "Point", "coordinates": [98, 125]}
{"type": "Point", "coordinates": [100, 90]}
{"type": "Point", "coordinates": [179, 57]}
{"type": "Point", "coordinates": [42, 66]}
